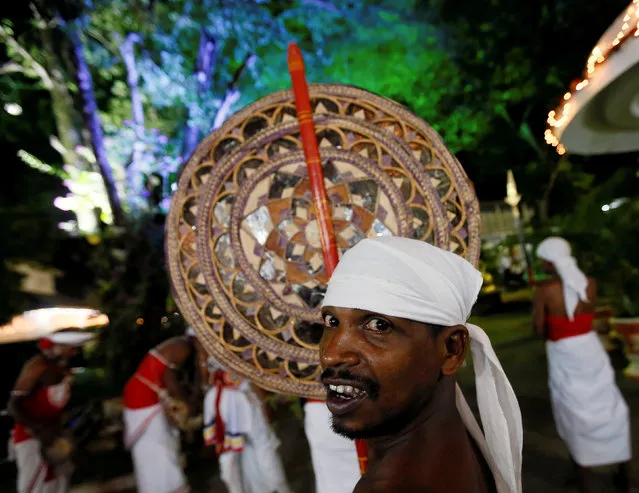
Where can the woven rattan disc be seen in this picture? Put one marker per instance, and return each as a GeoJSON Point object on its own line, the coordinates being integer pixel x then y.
{"type": "Point", "coordinates": [243, 244]}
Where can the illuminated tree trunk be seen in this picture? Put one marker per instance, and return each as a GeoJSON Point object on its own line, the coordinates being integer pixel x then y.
{"type": "Point", "coordinates": [61, 102]}
{"type": "Point", "coordinates": [90, 112]}
{"type": "Point", "coordinates": [204, 66]}
{"type": "Point", "coordinates": [135, 176]}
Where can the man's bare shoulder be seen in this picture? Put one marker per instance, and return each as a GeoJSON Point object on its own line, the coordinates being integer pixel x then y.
{"type": "Point", "coordinates": [173, 342]}
{"type": "Point", "coordinates": [31, 373]}
{"type": "Point", "coordinates": [548, 283]}
{"type": "Point", "coordinates": [37, 363]}
{"type": "Point", "coordinates": [175, 349]}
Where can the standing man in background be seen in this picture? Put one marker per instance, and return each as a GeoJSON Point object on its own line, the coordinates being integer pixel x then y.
{"type": "Point", "coordinates": [157, 404]}
{"type": "Point", "coordinates": [236, 426]}
{"type": "Point", "coordinates": [590, 413]}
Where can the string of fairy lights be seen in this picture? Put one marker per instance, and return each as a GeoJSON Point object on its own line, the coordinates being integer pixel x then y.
{"type": "Point", "coordinates": [557, 118]}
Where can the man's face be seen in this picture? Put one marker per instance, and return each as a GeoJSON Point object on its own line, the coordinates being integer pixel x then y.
{"type": "Point", "coordinates": [379, 371]}
{"type": "Point", "coordinates": [63, 354]}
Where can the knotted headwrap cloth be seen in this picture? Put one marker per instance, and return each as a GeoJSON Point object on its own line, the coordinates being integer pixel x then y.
{"type": "Point", "coordinates": [574, 282]}
{"type": "Point", "coordinates": [410, 279]}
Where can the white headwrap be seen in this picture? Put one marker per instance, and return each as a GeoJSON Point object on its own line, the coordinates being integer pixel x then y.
{"type": "Point", "coordinates": [411, 279]}
{"type": "Point", "coordinates": [74, 338]}
{"type": "Point", "coordinates": [574, 282]}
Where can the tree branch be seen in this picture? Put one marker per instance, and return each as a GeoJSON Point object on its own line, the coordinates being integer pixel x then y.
{"type": "Point", "coordinates": [39, 70]}
{"type": "Point", "coordinates": [322, 5]}
{"type": "Point", "coordinates": [231, 95]}
{"type": "Point", "coordinates": [97, 36]}
{"type": "Point", "coordinates": [127, 50]}
{"type": "Point", "coordinates": [11, 68]}
{"type": "Point", "coordinates": [204, 68]}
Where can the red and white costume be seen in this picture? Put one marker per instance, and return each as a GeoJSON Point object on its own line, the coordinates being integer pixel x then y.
{"type": "Point", "coordinates": [247, 447]}
{"type": "Point", "coordinates": [154, 443]}
{"type": "Point", "coordinates": [590, 413]}
{"type": "Point", "coordinates": [45, 405]}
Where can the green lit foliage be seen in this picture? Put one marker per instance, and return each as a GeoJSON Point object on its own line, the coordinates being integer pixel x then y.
{"type": "Point", "coordinates": [426, 80]}
{"type": "Point", "coordinates": [517, 59]}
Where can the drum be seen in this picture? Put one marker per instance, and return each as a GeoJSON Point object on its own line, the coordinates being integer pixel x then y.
{"type": "Point", "coordinates": [60, 451]}
{"type": "Point", "coordinates": [178, 412]}
{"type": "Point", "coordinates": [82, 424]}
{"type": "Point", "coordinates": [601, 325]}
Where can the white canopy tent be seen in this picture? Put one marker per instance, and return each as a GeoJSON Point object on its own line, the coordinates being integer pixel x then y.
{"type": "Point", "coordinates": [600, 114]}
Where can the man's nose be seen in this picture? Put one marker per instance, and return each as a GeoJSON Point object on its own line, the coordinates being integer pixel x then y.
{"type": "Point", "coordinates": [338, 347]}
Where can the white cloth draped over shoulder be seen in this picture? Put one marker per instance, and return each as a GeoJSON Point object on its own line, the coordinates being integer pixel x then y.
{"type": "Point", "coordinates": [574, 282]}
{"type": "Point", "coordinates": [250, 462]}
{"type": "Point", "coordinates": [334, 457]}
{"type": "Point", "coordinates": [410, 279]}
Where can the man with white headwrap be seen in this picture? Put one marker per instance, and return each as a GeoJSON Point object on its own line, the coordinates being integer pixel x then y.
{"type": "Point", "coordinates": [396, 333]}
{"type": "Point", "coordinates": [590, 413]}
{"type": "Point", "coordinates": [234, 423]}
{"type": "Point", "coordinates": [157, 403]}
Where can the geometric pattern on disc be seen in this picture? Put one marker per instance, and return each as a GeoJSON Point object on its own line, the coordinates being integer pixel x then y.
{"type": "Point", "coordinates": [243, 247]}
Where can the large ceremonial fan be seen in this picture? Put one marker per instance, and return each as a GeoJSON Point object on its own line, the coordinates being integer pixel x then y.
{"type": "Point", "coordinates": [245, 240]}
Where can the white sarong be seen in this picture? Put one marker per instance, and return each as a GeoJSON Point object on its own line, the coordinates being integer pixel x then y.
{"type": "Point", "coordinates": [250, 462]}
{"type": "Point", "coordinates": [334, 457]}
{"type": "Point", "coordinates": [590, 413]}
{"type": "Point", "coordinates": [34, 475]}
{"type": "Point", "coordinates": [155, 447]}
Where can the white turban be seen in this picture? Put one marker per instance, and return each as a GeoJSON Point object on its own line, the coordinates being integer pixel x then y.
{"type": "Point", "coordinates": [75, 338]}
{"type": "Point", "coordinates": [410, 279]}
{"type": "Point", "coordinates": [574, 282]}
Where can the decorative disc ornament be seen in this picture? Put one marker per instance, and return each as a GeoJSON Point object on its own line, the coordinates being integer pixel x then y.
{"type": "Point", "coordinates": [244, 251]}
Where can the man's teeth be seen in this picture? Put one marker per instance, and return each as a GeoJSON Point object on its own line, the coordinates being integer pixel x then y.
{"type": "Point", "coordinates": [346, 390]}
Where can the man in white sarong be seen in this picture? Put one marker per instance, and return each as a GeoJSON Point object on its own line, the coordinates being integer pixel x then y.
{"type": "Point", "coordinates": [37, 404]}
{"type": "Point", "coordinates": [156, 405]}
{"type": "Point", "coordinates": [590, 413]}
{"type": "Point", "coordinates": [395, 334]}
{"type": "Point", "coordinates": [244, 442]}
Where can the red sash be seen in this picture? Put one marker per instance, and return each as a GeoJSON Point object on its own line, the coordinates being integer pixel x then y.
{"type": "Point", "coordinates": [561, 327]}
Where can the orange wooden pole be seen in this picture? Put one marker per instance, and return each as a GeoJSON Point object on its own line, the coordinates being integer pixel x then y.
{"type": "Point", "coordinates": [312, 156]}
{"type": "Point", "coordinates": [316, 177]}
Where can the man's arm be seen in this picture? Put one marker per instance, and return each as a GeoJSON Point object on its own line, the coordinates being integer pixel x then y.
{"type": "Point", "coordinates": [176, 354]}
{"type": "Point", "coordinates": [24, 386]}
{"type": "Point", "coordinates": [592, 292]}
{"type": "Point", "coordinates": [539, 312]}
{"type": "Point", "coordinates": [172, 384]}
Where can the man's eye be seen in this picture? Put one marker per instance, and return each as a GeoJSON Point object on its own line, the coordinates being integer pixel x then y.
{"type": "Point", "coordinates": [330, 321]}
{"type": "Point", "coordinates": [378, 325]}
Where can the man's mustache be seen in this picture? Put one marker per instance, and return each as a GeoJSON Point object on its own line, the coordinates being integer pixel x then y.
{"type": "Point", "coordinates": [368, 384]}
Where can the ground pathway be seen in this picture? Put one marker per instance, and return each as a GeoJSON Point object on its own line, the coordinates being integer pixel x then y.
{"type": "Point", "coordinates": [546, 462]}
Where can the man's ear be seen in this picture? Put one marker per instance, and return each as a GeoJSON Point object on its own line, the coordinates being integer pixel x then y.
{"type": "Point", "coordinates": [454, 341]}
